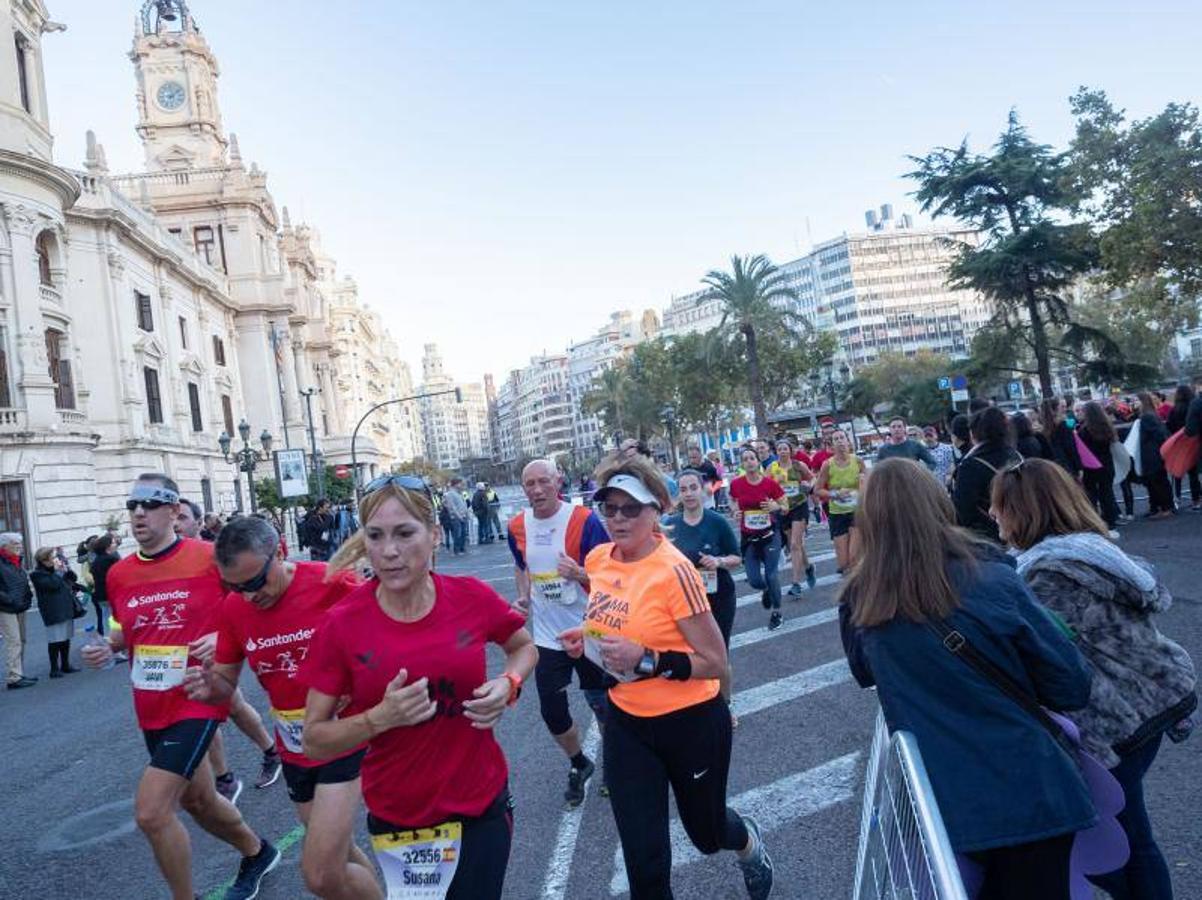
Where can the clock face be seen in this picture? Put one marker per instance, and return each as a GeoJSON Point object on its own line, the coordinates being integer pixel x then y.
{"type": "Point", "coordinates": [171, 95]}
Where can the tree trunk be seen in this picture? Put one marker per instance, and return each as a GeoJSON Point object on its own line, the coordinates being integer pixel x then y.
{"type": "Point", "coordinates": [1039, 341]}
{"type": "Point", "coordinates": [755, 383]}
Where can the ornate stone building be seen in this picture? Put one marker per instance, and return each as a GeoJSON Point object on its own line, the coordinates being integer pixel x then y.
{"type": "Point", "coordinates": [141, 315]}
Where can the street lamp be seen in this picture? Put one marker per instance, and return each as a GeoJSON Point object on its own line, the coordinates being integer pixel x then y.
{"type": "Point", "coordinates": [248, 457]}
{"type": "Point", "coordinates": [669, 416]}
{"type": "Point", "coordinates": [318, 464]}
{"type": "Point", "coordinates": [355, 434]}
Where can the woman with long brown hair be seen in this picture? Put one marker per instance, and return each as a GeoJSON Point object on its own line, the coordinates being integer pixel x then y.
{"type": "Point", "coordinates": [919, 579]}
{"type": "Point", "coordinates": [1059, 434]}
{"type": "Point", "coordinates": [1143, 683]}
{"type": "Point", "coordinates": [1098, 434]}
{"type": "Point", "coordinates": [408, 649]}
{"type": "Point", "coordinates": [1152, 473]}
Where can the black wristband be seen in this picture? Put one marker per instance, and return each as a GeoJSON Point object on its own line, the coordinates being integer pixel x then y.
{"type": "Point", "coordinates": [674, 665]}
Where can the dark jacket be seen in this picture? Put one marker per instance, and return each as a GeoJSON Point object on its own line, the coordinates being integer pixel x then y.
{"type": "Point", "coordinates": [1151, 435]}
{"type": "Point", "coordinates": [480, 504]}
{"type": "Point", "coordinates": [1177, 416]}
{"type": "Point", "coordinates": [1031, 447]}
{"type": "Point", "coordinates": [971, 492]}
{"type": "Point", "coordinates": [999, 778]}
{"type": "Point", "coordinates": [317, 531]}
{"type": "Point", "coordinates": [1064, 448]}
{"type": "Point", "coordinates": [100, 570]}
{"type": "Point", "coordinates": [1193, 418]}
{"type": "Point", "coordinates": [1100, 449]}
{"type": "Point", "coordinates": [16, 596]}
{"type": "Point", "coordinates": [1143, 682]}
{"type": "Point", "coordinates": [56, 599]}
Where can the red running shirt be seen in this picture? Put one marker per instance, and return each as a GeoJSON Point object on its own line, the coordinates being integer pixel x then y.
{"type": "Point", "coordinates": [444, 768]}
{"type": "Point", "coordinates": [748, 497]}
{"type": "Point", "coordinates": [162, 605]}
{"type": "Point", "coordinates": [275, 641]}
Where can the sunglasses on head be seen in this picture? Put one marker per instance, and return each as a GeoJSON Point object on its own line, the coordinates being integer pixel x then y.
{"type": "Point", "coordinates": [255, 584]}
{"type": "Point", "coordinates": [630, 510]}
{"type": "Point", "coordinates": [148, 505]}
{"type": "Point", "coordinates": [408, 482]}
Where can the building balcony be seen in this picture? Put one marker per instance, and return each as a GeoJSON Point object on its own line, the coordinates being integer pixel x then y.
{"type": "Point", "coordinates": [72, 417]}
{"type": "Point", "coordinates": [51, 294]}
{"type": "Point", "coordinates": [13, 420]}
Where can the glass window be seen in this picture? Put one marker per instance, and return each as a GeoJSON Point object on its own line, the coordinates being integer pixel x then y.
{"type": "Point", "coordinates": [194, 406]}
{"type": "Point", "coordinates": [145, 313]}
{"type": "Point", "coordinates": [218, 351]}
{"type": "Point", "coordinates": [206, 243]}
{"type": "Point", "coordinates": [23, 73]}
{"type": "Point", "coordinates": [183, 332]}
{"type": "Point", "coordinates": [154, 400]}
{"type": "Point", "coordinates": [59, 370]}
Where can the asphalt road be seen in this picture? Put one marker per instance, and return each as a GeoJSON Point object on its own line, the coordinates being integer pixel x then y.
{"type": "Point", "coordinates": [71, 757]}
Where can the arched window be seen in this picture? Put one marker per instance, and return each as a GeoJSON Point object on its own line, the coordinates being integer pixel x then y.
{"type": "Point", "coordinates": [42, 246]}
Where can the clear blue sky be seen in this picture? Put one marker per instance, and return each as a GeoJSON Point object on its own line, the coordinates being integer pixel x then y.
{"type": "Point", "coordinates": [498, 177]}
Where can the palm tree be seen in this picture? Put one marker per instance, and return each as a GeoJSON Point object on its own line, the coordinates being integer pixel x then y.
{"type": "Point", "coordinates": [606, 398]}
{"type": "Point", "coordinates": [750, 295]}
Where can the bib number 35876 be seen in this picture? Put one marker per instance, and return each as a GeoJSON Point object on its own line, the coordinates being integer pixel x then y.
{"type": "Point", "coordinates": [158, 668]}
{"type": "Point", "coordinates": [419, 864]}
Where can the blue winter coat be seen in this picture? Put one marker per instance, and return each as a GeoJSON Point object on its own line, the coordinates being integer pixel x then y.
{"type": "Point", "coordinates": [998, 776]}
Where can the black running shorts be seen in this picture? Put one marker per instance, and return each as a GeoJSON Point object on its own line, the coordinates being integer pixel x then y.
{"type": "Point", "coordinates": [180, 747]}
{"type": "Point", "coordinates": [302, 781]}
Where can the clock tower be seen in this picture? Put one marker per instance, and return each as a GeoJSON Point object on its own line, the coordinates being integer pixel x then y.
{"type": "Point", "coordinates": [179, 120]}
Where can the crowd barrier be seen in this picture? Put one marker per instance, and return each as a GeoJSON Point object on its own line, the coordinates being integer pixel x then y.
{"type": "Point", "coordinates": [904, 851]}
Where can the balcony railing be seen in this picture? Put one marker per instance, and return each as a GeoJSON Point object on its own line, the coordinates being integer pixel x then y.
{"type": "Point", "coordinates": [51, 294]}
{"type": "Point", "coordinates": [12, 419]}
{"type": "Point", "coordinates": [72, 417]}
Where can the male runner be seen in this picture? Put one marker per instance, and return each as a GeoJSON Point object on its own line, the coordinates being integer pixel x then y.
{"type": "Point", "coordinates": [163, 599]}
{"type": "Point", "coordinates": [902, 446]}
{"type": "Point", "coordinates": [245, 716]}
{"type": "Point", "coordinates": [271, 613]}
{"type": "Point", "coordinates": [709, 474]}
{"type": "Point", "coordinates": [549, 541]}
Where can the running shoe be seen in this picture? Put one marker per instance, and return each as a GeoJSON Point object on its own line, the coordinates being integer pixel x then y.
{"type": "Point", "coordinates": [576, 781]}
{"type": "Point", "coordinates": [252, 870]}
{"type": "Point", "coordinates": [757, 868]}
{"type": "Point", "coordinates": [229, 787]}
{"type": "Point", "coordinates": [774, 621]}
{"type": "Point", "coordinates": [269, 772]}
{"type": "Point", "coordinates": [795, 591]}
{"type": "Point", "coordinates": [811, 577]}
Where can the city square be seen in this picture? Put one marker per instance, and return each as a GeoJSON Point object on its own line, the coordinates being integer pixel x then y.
{"type": "Point", "coordinates": [490, 340]}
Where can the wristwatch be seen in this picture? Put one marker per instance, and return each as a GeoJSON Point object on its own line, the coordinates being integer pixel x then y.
{"type": "Point", "coordinates": [515, 687]}
{"type": "Point", "coordinates": [646, 666]}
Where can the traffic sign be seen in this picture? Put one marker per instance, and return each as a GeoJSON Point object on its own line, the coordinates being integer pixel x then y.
{"type": "Point", "coordinates": [1016, 390]}
{"type": "Point", "coordinates": [945, 383]}
{"type": "Point", "coordinates": [960, 383]}
{"type": "Point", "coordinates": [342, 471]}
{"type": "Point", "coordinates": [959, 396]}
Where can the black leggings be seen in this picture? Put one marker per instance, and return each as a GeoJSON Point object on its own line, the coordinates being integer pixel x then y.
{"type": "Point", "coordinates": [1160, 492]}
{"type": "Point", "coordinates": [60, 652]}
{"type": "Point", "coordinates": [1099, 484]}
{"type": "Point", "coordinates": [99, 607]}
{"type": "Point", "coordinates": [688, 749]}
{"type": "Point", "coordinates": [1035, 871]}
{"type": "Point", "coordinates": [483, 855]}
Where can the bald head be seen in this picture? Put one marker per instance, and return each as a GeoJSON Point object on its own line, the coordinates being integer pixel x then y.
{"type": "Point", "coordinates": [540, 481]}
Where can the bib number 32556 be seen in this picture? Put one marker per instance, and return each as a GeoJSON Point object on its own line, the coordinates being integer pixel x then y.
{"type": "Point", "coordinates": [419, 864]}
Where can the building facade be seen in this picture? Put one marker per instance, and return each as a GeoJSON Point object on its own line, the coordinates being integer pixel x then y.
{"type": "Point", "coordinates": [534, 412]}
{"type": "Point", "coordinates": [455, 421]}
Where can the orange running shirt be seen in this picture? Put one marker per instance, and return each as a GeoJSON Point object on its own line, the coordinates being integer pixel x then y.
{"type": "Point", "coordinates": [642, 601]}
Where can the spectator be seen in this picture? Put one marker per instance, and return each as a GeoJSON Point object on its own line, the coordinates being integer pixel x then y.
{"type": "Point", "coordinates": [943, 453]}
{"type": "Point", "coordinates": [494, 509]}
{"type": "Point", "coordinates": [54, 585]}
{"type": "Point", "coordinates": [993, 450]}
{"type": "Point", "coordinates": [1151, 466]}
{"type": "Point", "coordinates": [1143, 684]}
{"type": "Point", "coordinates": [480, 511]}
{"type": "Point", "coordinates": [104, 555]}
{"type": "Point", "coordinates": [16, 596]}
{"type": "Point", "coordinates": [900, 446]}
{"type": "Point", "coordinates": [212, 527]}
{"type": "Point", "coordinates": [317, 530]}
{"type": "Point", "coordinates": [1098, 435]}
{"type": "Point", "coordinates": [1026, 441]}
{"type": "Point", "coordinates": [457, 511]}
{"type": "Point", "coordinates": [1011, 799]}
{"type": "Point", "coordinates": [1182, 399]}
{"type": "Point", "coordinates": [1059, 435]}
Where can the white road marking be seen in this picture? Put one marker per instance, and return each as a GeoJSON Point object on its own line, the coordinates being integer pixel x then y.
{"type": "Point", "coordinates": [773, 805]}
{"type": "Point", "coordinates": [814, 559]}
{"type": "Point", "coordinates": [755, 635]}
{"type": "Point", "coordinates": [752, 700]}
{"type": "Point", "coordinates": [559, 867]}
{"type": "Point", "coordinates": [754, 596]}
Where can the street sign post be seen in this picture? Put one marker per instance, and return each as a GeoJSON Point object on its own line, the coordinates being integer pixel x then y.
{"type": "Point", "coordinates": [1016, 390]}
{"type": "Point", "coordinates": [960, 395]}
{"type": "Point", "coordinates": [945, 383]}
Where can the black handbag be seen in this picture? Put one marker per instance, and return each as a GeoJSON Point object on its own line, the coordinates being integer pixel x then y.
{"type": "Point", "coordinates": [81, 610]}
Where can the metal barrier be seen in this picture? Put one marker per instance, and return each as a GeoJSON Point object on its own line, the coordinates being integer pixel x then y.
{"type": "Point", "coordinates": [904, 850]}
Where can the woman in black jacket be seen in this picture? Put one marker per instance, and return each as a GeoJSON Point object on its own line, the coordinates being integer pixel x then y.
{"type": "Point", "coordinates": [1026, 441]}
{"type": "Point", "coordinates": [1183, 397]}
{"type": "Point", "coordinates": [993, 450]}
{"type": "Point", "coordinates": [1097, 434]}
{"type": "Point", "coordinates": [1059, 435]}
{"type": "Point", "coordinates": [1152, 434]}
{"type": "Point", "coordinates": [104, 556]}
{"type": "Point", "coordinates": [56, 603]}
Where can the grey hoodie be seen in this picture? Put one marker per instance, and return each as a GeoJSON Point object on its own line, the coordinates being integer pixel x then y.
{"type": "Point", "coordinates": [1108, 599]}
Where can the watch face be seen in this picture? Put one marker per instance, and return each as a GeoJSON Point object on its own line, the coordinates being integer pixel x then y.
{"type": "Point", "coordinates": [171, 95]}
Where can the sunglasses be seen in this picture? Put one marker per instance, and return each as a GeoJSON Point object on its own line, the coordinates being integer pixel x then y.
{"type": "Point", "coordinates": [628, 510]}
{"type": "Point", "coordinates": [255, 584]}
{"type": "Point", "coordinates": [148, 505]}
{"type": "Point", "coordinates": [408, 482]}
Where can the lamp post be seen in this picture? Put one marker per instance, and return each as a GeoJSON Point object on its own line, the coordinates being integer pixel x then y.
{"type": "Point", "coordinates": [830, 386]}
{"type": "Point", "coordinates": [355, 434]}
{"type": "Point", "coordinates": [248, 457]}
{"type": "Point", "coordinates": [319, 468]}
{"type": "Point", "coordinates": [669, 416]}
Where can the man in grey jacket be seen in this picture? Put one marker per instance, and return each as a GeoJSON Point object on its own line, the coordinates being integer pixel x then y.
{"type": "Point", "coordinates": [452, 499]}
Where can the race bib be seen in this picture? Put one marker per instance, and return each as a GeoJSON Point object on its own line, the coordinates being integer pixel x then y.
{"type": "Point", "coordinates": [757, 520]}
{"type": "Point", "coordinates": [792, 489]}
{"type": "Point", "coordinates": [158, 667]}
{"type": "Point", "coordinates": [710, 579]}
{"type": "Point", "coordinates": [290, 726]}
{"type": "Point", "coordinates": [551, 588]}
{"type": "Point", "coordinates": [419, 864]}
{"type": "Point", "coordinates": [592, 652]}
{"type": "Point", "coordinates": [851, 499]}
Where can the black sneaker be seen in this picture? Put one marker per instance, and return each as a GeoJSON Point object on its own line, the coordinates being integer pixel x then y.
{"type": "Point", "coordinates": [811, 578]}
{"type": "Point", "coordinates": [270, 771]}
{"type": "Point", "coordinates": [252, 870]}
{"type": "Point", "coordinates": [17, 685]}
{"type": "Point", "coordinates": [795, 591]}
{"type": "Point", "coordinates": [576, 781]}
{"type": "Point", "coordinates": [757, 868]}
{"type": "Point", "coordinates": [229, 787]}
{"type": "Point", "coordinates": [774, 621]}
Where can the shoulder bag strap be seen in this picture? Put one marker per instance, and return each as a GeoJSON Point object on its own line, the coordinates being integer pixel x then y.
{"type": "Point", "coordinates": [957, 644]}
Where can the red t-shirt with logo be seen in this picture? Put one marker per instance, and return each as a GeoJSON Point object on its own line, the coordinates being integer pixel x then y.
{"type": "Point", "coordinates": [444, 768]}
{"type": "Point", "coordinates": [275, 641]}
{"type": "Point", "coordinates": [162, 605]}
{"type": "Point", "coordinates": [748, 497]}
